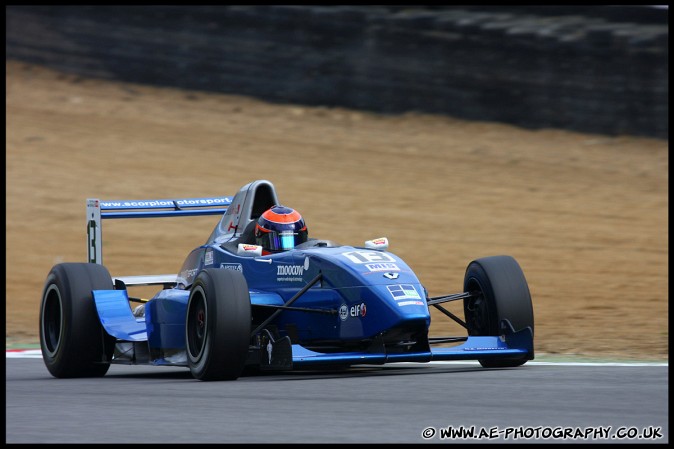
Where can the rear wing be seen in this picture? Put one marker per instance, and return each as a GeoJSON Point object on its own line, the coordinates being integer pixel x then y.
{"type": "Point", "coordinates": [98, 210]}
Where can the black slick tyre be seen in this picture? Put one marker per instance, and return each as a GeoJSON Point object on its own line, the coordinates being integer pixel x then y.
{"type": "Point", "coordinates": [502, 293]}
{"type": "Point", "coordinates": [218, 325]}
{"type": "Point", "coordinates": [72, 340]}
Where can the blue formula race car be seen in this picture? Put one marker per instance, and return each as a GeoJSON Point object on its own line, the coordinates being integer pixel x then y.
{"type": "Point", "coordinates": [234, 307]}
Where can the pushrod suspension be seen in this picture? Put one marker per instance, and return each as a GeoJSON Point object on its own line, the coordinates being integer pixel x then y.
{"type": "Point", "coordinates": [288, 303]}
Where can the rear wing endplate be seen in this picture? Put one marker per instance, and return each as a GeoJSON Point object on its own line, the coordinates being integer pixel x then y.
{"type": "Point", "coordinates": [98, 210]}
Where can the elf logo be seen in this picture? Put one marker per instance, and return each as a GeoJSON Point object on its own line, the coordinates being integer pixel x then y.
{"type": "Point", "coordinates": [359, 310]}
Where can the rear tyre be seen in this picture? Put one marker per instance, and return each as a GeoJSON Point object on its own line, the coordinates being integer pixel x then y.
{"type": "Point", "coordinates": [72, 340]}
{"type": "Point", "coordinates": [218, 325]}
{"type": "Point", "coordinates": [502, 294]}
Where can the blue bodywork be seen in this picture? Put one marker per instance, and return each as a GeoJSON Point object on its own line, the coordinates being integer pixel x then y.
{"type": "Point", "coordinates": [367, 306]}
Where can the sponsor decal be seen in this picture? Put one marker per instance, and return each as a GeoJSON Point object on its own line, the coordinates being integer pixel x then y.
{"type": "Point", "coordinates": [343, 312]}
{"type": "Point", "coordinates": [208, 257]}
{"type": "Point", "coordinates": [232, 266]}
{"type": "Point", "coordinates": [289, 273]}
{"type": "Point", "coordinates": [391, 275]}
{"type": "Point", "coordinates": [403, 291]}
{"type": "Point", "coordinates": [188, 273]}
{"type": "Point", "coordinates": [289, 270]}
{"type": "Point", "coordinates": [358, 310]}
{"type": "Point", "coordinates": [409, 303]}
{"type": "Point", "coordinates": [306, 263]}
{"type": "Point", "coordinates": [484, 349]}
{"type": "Point", "coordinates": [384, 266]}
{"type": "Point", "coordinates": [169, 203]}
{"type": "Point", "coordinates": [368, 257]}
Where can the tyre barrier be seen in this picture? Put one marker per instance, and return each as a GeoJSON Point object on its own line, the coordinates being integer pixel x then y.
{"type": "Point", "coordinates": [590, 69]}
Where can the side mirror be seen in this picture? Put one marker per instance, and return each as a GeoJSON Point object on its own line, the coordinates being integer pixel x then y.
{"type": "Point", "coordinates": [381, 243]}
{"type": "Point", "coordinates": [252, 250]}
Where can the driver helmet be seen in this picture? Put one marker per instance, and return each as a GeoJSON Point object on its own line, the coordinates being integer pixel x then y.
{"type": "Point", "coordinates": [280, 228]}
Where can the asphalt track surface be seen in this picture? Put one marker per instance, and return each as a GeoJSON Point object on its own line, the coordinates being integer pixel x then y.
{"type": "Point", "coordinates": [384, 404]}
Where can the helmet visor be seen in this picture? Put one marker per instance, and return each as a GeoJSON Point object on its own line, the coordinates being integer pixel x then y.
{"type": "Point", "coordinates": [283, 240]}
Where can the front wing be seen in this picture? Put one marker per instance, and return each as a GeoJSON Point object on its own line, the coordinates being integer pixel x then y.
{"type": "Point", "coordinates": [517, 344]}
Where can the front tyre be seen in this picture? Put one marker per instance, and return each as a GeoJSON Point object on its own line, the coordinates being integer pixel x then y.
{"type": "Point", "coordinates": [218, 325]}
{"type": "Point", "coordinates": [501, 294]}
{"type": "Point", "coordinates": [72, 340]}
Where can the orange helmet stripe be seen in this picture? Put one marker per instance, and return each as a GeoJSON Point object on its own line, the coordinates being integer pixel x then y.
{"type": "Point", "coordinates": [282, 218]}
{"type": "Point", "coordinates": [259, 228]}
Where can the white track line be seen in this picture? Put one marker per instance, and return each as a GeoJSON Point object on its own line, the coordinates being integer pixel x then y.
{"type": "Point", "coordinates": [600, 363]}
{"type": "Point", "coordinates": [464, 362]}
{"type": "Point", "coordinates": [24, 354]}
